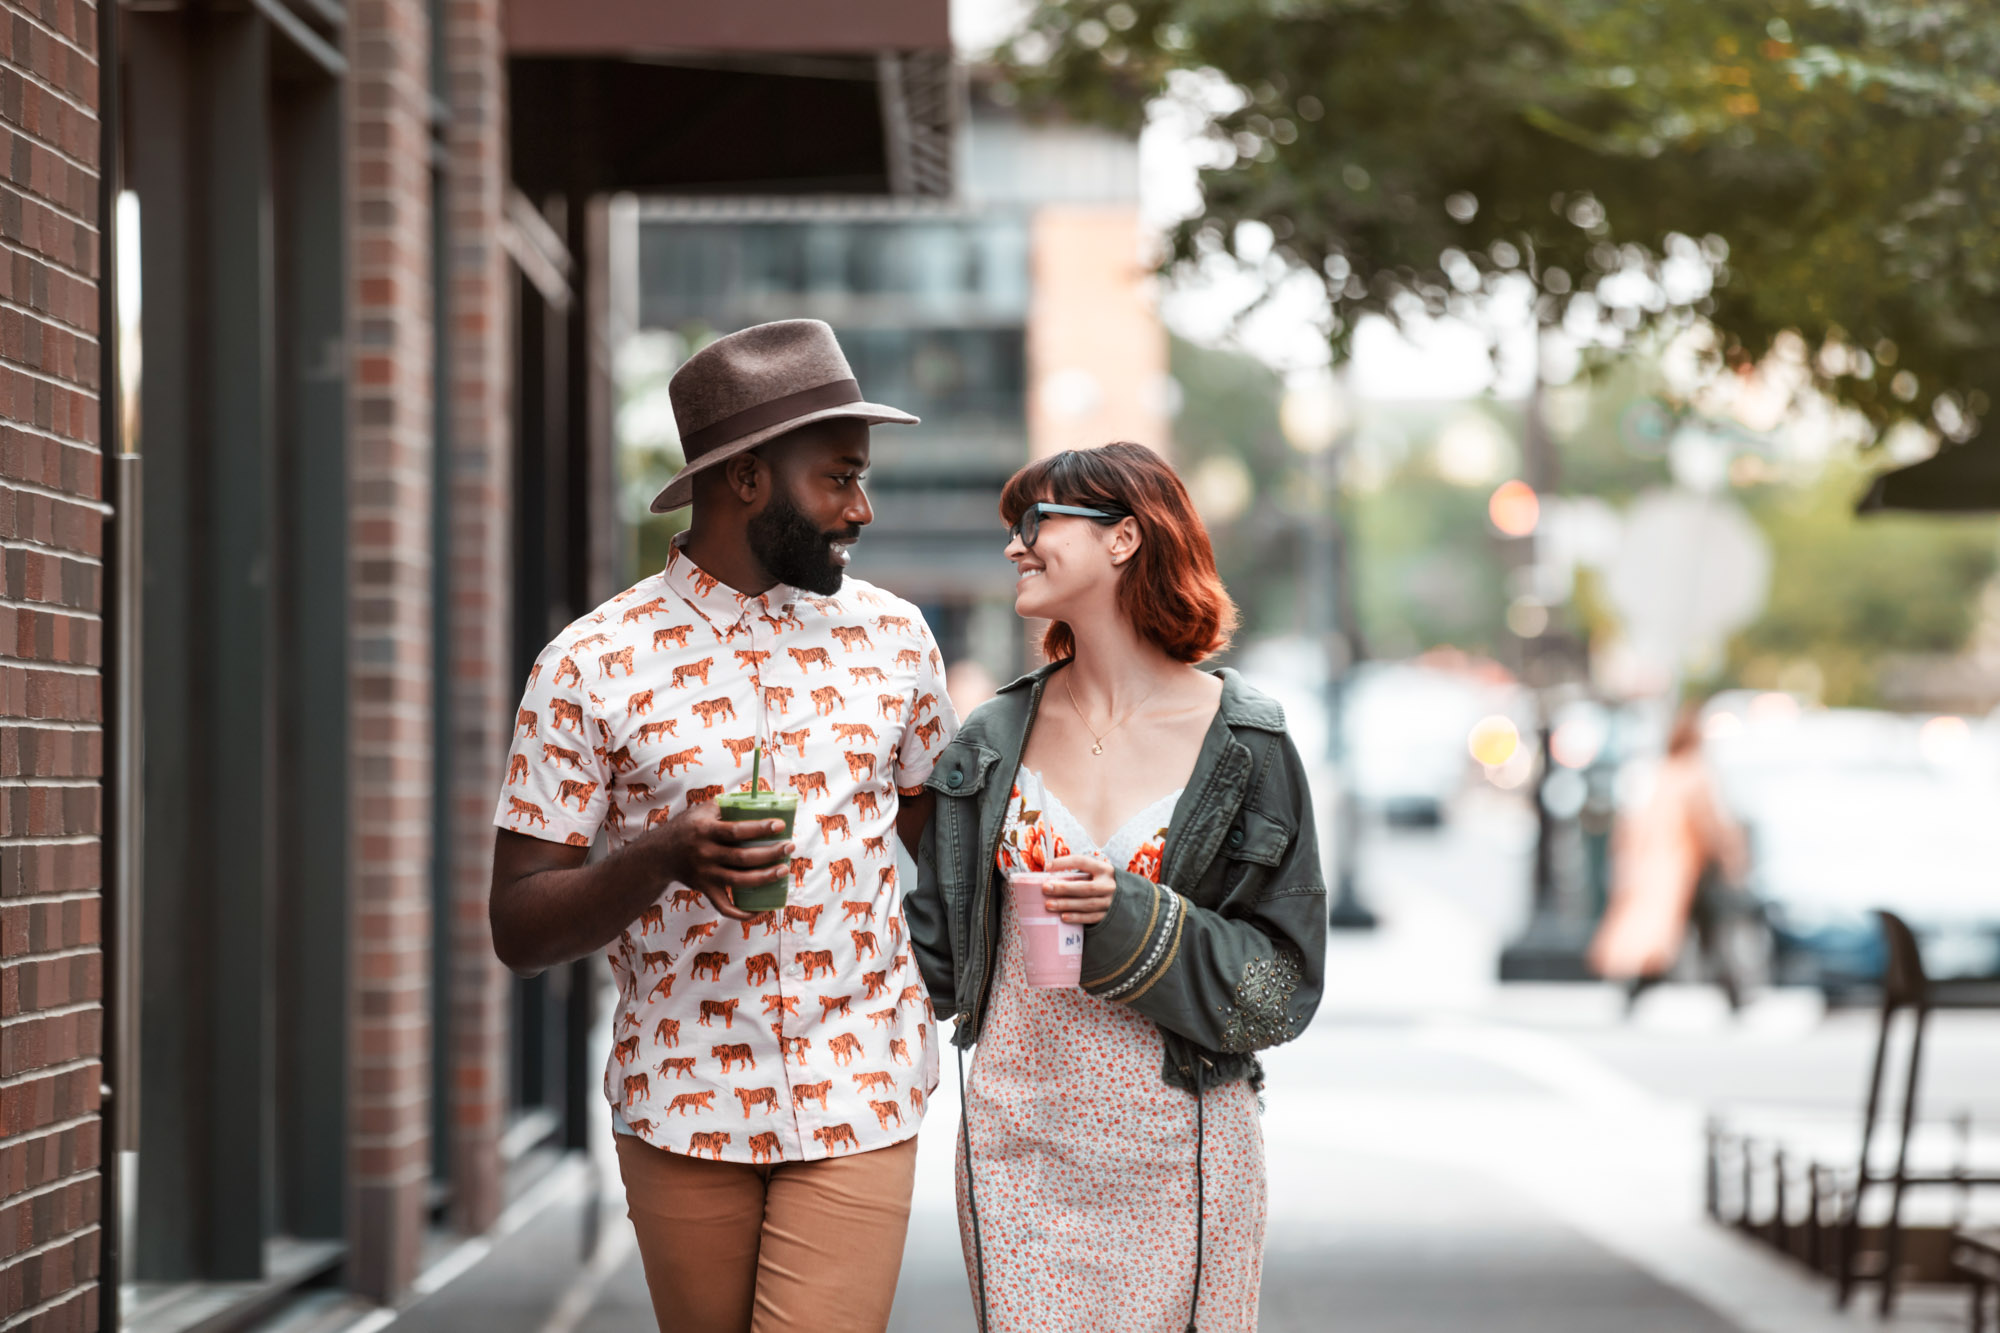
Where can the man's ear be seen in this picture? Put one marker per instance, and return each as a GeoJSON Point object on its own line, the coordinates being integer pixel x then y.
{"type": "Point", "coordinates": [747, 476]}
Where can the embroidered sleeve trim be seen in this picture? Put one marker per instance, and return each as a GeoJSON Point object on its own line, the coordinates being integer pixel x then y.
{"type": "Point", "coordinates": [1161, 940]}
{"type": "Point", "coordinates": [1262, 1014]}
{"type": "Point", "coordinates": [1152, 920]}
{"type": "Point", "coordinates": [1173, 949]}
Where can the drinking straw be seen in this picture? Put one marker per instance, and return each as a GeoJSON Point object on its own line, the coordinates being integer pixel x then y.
{"type": "Point", "coordinates": [756, 758]}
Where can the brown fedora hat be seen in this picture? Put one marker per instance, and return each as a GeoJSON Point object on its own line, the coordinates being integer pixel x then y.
{"type": "Point", "coordinates": [753, 386]}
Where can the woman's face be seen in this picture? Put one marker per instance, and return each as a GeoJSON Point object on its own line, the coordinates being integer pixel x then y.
{"type": "Point", "coordinates": [1072, 569]}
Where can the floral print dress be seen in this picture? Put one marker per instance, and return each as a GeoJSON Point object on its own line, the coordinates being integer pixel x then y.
{"type": "Point", "coordinates": [1083, 1159]}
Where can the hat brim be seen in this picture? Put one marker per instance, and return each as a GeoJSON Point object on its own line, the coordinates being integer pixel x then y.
{"type": "Point", "coordinates": [679, 492]}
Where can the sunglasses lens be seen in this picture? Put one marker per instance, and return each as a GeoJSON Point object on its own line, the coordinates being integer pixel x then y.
{"type": "Point", "coordinates": [1031, 526]}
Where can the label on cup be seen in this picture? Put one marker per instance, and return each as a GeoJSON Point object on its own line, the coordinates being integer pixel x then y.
{"type": "Point", "coordinates": [1070, 940]}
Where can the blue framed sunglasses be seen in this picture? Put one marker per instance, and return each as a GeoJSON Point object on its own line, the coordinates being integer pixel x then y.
{"type": "Point", "coordinates": [1029, 525]}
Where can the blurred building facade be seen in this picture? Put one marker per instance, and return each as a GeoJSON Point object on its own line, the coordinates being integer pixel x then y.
{"type": "Point", "coordinates": [1015, 318]}
{"type": "Point", "coordinates": [275, 596]}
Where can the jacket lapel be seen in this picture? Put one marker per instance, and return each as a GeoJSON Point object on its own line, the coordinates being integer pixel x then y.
{"type": "Point", "coordinates": [1203, 815]}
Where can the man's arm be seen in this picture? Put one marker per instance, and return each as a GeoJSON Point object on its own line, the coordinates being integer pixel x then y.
{"type": "Point", "coordinates": [548, 907]}
{"type": "Point", "coordinates": [912, 813]}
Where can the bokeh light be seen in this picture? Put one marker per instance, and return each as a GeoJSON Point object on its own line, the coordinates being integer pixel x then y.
{"type": "Point", "coordinates": [1721, 726]}
{"type": "Point", "coordinates": [1773, 706]}
{"type": "Point", "coordinates": [1944, 740]}
{"type": "Point", "coordinates": [1494, 740]}
{"type": "Point", "coordinates": [1514, 508]}
{"type": "Point", "coordinates": [1577, 742]}
{"type": "Point", "coordinates": [1527, 617]}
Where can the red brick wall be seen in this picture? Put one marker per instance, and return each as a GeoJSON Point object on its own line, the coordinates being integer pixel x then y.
{"type": "Point", "coordinates": [51, 650]}
{"type": "Point", "coordinates": [389, 341]}
{"type": "Point", "coordinates": [482, 697]}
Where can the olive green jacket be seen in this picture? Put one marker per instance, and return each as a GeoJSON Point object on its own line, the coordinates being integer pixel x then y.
{"type": "Point", "coordinates": [1226, 954]}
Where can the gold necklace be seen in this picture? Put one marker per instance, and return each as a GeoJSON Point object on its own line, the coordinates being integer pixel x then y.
{"type": "Point", "coordinates": [1095, 736]}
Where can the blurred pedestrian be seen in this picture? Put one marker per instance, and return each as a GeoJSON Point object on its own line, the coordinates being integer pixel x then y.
{"type": "Point", "coordinates": [970, 684]}
{"type": "Point", "coordinates": [768, 1168]}
{"type": "Point", "coordinates": [1678, 858]}
{"type": "Point", "coordinates": [1111, 1165]}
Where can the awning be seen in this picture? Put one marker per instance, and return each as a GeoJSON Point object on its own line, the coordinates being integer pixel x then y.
{"type": "Point", "coordinates": [745, 97]}
{"type": "Point", "coordinates": [636, 29]}
{"type": "Point", "coordinates": [1959, 479]}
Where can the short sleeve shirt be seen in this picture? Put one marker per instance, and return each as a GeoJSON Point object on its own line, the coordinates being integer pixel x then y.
{"type": "Point", "coordinates": [802, 1033]}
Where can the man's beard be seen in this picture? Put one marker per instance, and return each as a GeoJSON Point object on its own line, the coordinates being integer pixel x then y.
{"type": "Point", "coordinates": [793, 550]}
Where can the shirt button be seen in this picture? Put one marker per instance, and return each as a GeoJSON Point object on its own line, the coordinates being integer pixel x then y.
{"type": "Point", "coordinates": [1236, 837]}
{"type": "Point", "coordinates": [954, 778]}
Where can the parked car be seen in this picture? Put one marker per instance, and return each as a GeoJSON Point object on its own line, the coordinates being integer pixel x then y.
{"type": "Point", "coordinates": [1849, 810]}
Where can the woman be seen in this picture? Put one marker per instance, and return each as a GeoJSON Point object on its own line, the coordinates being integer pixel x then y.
{"type": "Point", "coordinates": [1111, 1173]}
{"type": "Point", "coordinates": [1663, 852]}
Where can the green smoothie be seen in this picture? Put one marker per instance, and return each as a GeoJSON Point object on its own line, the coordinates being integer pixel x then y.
{"type": "Point", "coordinates": [737, 806]}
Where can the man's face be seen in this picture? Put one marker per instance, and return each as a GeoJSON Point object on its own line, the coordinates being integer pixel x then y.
{"type": "Point", "coordinates": [817, 506]}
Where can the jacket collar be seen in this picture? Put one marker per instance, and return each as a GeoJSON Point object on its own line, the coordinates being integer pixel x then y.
{"type": "Point", "coordinates": [1242, 705]}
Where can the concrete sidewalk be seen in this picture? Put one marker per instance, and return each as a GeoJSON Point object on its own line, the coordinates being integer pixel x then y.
{"type": "Point", "coordinates": [1426, 1176]}
{"type": "Point", "coordinates": [1444, 1153]}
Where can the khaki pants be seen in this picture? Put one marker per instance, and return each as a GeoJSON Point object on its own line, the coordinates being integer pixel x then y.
{"type": "Point", "coordinates": [729, 1247]}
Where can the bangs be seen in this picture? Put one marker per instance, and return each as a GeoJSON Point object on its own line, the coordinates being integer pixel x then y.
{"type": "Point", "coordinates": [1062, 479]}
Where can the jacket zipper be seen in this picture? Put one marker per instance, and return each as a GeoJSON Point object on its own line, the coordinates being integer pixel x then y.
{"type": "Point", "coordinates": [978, 1013]}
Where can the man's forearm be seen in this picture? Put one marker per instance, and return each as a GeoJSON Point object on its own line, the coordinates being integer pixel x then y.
{"type": "Point", "coordinates": [556, 915]}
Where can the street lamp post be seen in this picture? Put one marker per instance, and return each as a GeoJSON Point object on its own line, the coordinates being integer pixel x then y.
{"type": "Point", "coordinates": [1551, 947]}
{"type": "Point", "coordinates": [1314, 418]}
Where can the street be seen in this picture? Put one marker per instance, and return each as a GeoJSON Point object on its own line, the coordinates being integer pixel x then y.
{"type": "Point", "coordinates": [1443, 1153]}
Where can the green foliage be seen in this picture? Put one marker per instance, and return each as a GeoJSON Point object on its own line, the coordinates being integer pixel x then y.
{"type": "Point", "coordinates": [1605, 451]}
{"type": "Point", "coordinates": [1427, 569]}
{"type": "Point", "coordinates": [1833, 166]}
{"type": "Point", "coordinates": [1229, 409]}
{"type": "Point", "coordinates": [1848, 592]}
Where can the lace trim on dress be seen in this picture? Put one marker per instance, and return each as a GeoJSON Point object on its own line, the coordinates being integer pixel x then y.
{"type": "Point", "coordinates": [1148, 823]}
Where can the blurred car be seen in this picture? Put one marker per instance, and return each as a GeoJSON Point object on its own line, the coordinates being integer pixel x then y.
{"type": "Point", "coordinates": [1293, 671]}
{"type": "Point", "coordinates": [1406, 727]}
{"type": "Point", "coordinates": [1849, 810]}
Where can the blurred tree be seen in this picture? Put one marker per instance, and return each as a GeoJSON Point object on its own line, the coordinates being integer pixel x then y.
{"type": "Point", "coordinates": [1848, 593]}
{"type": "Point", "coordinates": [1825, 166]}
{"type": "Point", "coordinates": [1425, 567]}
{"type": "Point", "coordinates": [1229, 417]}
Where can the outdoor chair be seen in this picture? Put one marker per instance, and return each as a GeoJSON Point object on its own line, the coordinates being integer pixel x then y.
{"type": "Point", "coordinates": [1975, 1253]}
{"type": "Point", "coordinates": [1788, 1192]}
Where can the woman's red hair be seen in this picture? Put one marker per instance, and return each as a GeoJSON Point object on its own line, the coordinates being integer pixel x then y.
{"type": "Point", "coordinates": [1170, 590]}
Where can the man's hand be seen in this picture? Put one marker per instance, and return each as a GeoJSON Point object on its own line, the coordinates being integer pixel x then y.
{"type": "Point", "coordinates": [705, 852]}
{"type": "Point", "coordinates": [551, 903]}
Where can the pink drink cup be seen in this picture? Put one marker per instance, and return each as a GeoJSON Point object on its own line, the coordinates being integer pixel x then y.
{"type": "Point", "coordinates": [1051, 948]}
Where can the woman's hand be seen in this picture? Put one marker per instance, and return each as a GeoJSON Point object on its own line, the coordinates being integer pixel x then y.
{"type": "Point", "coordinates": [1081, 902]}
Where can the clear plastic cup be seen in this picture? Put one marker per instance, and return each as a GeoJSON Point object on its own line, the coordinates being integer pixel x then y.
{"type": "Point", "coordinates": [738, 806]}
{"type": "Point", "coordinates": [1051, 948]}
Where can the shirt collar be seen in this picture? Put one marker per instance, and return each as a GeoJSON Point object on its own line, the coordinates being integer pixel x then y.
{"type": "Point", "coordinates": [716, 600]}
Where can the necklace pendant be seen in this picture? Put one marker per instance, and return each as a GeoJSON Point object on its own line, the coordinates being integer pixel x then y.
{"type": "Point", "coordinates": [1097, 748]}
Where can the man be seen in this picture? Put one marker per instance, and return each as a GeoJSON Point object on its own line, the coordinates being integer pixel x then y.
{"type": "Point", "coordinates": [769, 1071]}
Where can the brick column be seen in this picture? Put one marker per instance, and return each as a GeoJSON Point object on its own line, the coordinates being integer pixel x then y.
{"type": "Point", "coordinates": [483, 688]}
{"type": "Point", "coordinates": [389, 469]}
{"type": "Point", "coordinates": [51, 640]}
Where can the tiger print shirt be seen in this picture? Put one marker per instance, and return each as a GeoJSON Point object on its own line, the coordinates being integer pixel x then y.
{"type": "Point", "coordinates": [802, 1033]}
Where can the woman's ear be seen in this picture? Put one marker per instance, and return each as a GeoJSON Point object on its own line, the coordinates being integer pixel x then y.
{"type": "Point", "coordinates": [1124, 540]}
